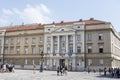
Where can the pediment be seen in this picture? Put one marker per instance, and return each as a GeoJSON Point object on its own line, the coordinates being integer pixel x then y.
{"type": "Point", "coordinates": [63, 29]}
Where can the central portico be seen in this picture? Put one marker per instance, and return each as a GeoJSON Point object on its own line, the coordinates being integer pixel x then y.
{"type": "Point", "coordinates": [64, 43]}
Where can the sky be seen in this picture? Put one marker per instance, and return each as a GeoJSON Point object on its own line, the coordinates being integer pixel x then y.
{"type": "Point", "coordinates": [17, 12]}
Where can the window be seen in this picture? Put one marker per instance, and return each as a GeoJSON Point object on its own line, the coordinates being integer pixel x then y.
{"type": "Point", "coordinates": [48, 49]}
{"type": "Point", "coordinates": [11, 50]}
{"type": "Point", "coordinates": [89, 37]}
{"type": "Point", "coordinates": [33, 50]}
{"type": "Point", "coordinates": [100, 37]}
{"type": "Point", "coordinates": [12, 41]}
{"type": "Point", "coordinates": [26, 61]}
{"type": "Point", "coordinates": [33, 40]}
{"type": "Point", "coordinates": [40, 39]}
{"type": "Point", "coordinates": [6, 50]}
{"type": "Point", "coordinates": [40, 50]}
{"type": "Point", "coordinates": [55, 48]}
{"type": "Point", "coordinates": [48, 39]}
{"type": "Point", "coordinates": [18, 40]}
{"type": "Point", "coordinates": [26, 50]}
{"type": "Point", "coordinates": [6, 41]}
{"type": "Point", "coordinates": [70, 50]}
{"type": "Point", "coordinates": [63, 51]}
{"type": "Point", "coordinates": [18, 51]}
{"type": "Point", "coordinates": [101, 62]}
{"type": "Point", "coordinates": [63, 38]}
{"type": "Point", "coordinates": [62, 44]}
{"type": "Point", "coordinates": [89, 49]}
{"type": "Point", "coordinates": [26, 40]}
{"type": "Point", "coordinates": [77, 61]}
{"type": "Point", "coordinates": [33, 62]}
{"type": "Point", "coordinates": [78, 38]}
{"type": "Point", "coordinates": [89, 62]}
{"type": "Point", "coordinates": [0, 42]}
{"type": "Point", "coordinates": [100, 48]}
{"type": "Point", "coordinates": [78, 49]}
{"type": "Point", "coordinates": [71, 38]}
{"type": "Point", "coordinates": [0, 50]}
{"type": "Point", "coordinates": [55, 38]}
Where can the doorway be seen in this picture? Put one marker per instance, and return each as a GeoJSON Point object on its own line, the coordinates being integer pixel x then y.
{"type": "Point", "coordinates": [62, 62]}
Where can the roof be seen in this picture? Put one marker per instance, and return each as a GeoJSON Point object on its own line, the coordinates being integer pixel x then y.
{"type": "Point", "coordinates": [87, 22]}
{"type": "Point", "coordinates": [23, 27]}
{"type": "Point", "coordinates": [39, 26]}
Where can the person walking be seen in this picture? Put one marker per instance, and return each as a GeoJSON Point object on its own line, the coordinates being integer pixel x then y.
{"type": "Point", "coordinates": [66, 70]}
{"type": "Point", "coordinates": [61, 70]}
{"type": "Point", "coordinates": [34, 67]}
{"type": "Point", "coordinates": [58, 70]}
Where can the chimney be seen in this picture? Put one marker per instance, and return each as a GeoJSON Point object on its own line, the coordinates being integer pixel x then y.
{"type": "Point", "coordinates": [80, 20]}
{"type": "Point", "coordinates": [53, 22]}
{"type": "Point", "coordinates": [62, 21]}
{"type": "Point", "coordinates": [91, 18]}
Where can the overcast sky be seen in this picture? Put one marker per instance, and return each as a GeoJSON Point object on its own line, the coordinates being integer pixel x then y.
{"type": "Point", "coordinates": [16, 12]}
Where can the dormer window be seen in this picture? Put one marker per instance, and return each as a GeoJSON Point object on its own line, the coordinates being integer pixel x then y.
{"type": "Point", "coordinates": [48, 29]}
{"type": "Point", "coordinates": [78, 26]}
{"type": "Point", "coordinates": [62, 29]}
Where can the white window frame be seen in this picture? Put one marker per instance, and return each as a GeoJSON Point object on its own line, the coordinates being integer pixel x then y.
{"type": "Point", "coordinates": [26, 61]}
{"type": "Point", "coordinates": [33, 40]}
{"type": "Point", "coordinates": [101, 62]}
{"type": "Point", "coordinates": [33, 50]}
{"type": "Point", "coordinates": [26, 50]}
{"type": "Point", "coordinates": [89, 62]}
{"type": "Point", "coordinates": [89, 47]}
{"type": "Point", "coordinates": [26, 40]}
{"type": "Point", "coordinates": [6, 41]}
{"type": "Point", "coordinates": [100, 36]}
{"type": "Point", "coordinates": [78, 37]}
{"type": "Point", "coordinates": [89, 37]}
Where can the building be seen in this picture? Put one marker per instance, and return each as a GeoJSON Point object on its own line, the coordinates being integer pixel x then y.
{"type": "Point", "coordinates": [23, 45]}
{"type": "Point", "coordinates": [2, 34]}
{"type": "Point", "coordinates": [79, 45]}
{"type": "Point", "coordinates": [102, 46]}
{"type": "Point", "coordinates": [64, 42]}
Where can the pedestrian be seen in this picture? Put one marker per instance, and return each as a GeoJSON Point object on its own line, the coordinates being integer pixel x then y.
{"type": "Point", "coordinates": [66, 70]}
{"type": "Point", "coordinates": [100, 71]}
{"type": "Point", "coordinates": [34, 67]}
{"type": "Point", "coordinates": [58, 70]}
{"type": "Point", "coordinates": [41, 68]}
{"type": "Point", "coordinates": [61, 70]}
{"type": "Point", "coordinates": [13, 68]}
{"type": "Point", "coordinates": [88, 70]}
{"type": "Point", "coordinates": [105, 70]}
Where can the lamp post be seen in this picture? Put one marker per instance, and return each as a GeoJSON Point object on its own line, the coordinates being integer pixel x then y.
{"type": "Point", "coordinates": [41, 66]}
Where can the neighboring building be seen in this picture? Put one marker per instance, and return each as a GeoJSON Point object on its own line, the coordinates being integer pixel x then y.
{"type": "Point", "coordinates": [79, 45]}
{"type": "Point", "coordinates": [102, 46]}
{"type": "Point", "coordinates": [23, 45]}
{"type": "Point", "coordinates": [2, 34]}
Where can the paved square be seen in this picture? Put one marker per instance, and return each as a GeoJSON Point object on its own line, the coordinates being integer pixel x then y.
{"type": "Point", "coordinates": [50, 75]}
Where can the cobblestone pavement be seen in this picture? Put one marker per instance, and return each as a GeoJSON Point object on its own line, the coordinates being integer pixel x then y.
{"type": "Point", "coordinates": [50, 75]}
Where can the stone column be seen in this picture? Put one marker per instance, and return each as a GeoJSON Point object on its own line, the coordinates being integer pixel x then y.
{"type": "Point", "coordinates": [74, 49]}
{"type": "Point", "coordinates": [58, 44]}
{"type": "Point", "coordinates": [51, 44]}
{"type": "Point", "coordinates": [66, 43]}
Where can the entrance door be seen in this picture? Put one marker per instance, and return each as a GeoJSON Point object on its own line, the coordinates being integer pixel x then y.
{"type": "Point", "coordinates": [62, 62]}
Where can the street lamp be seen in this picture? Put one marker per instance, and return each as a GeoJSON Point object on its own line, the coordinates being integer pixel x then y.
{"type": "Point", "coordinates": [41, 66]}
